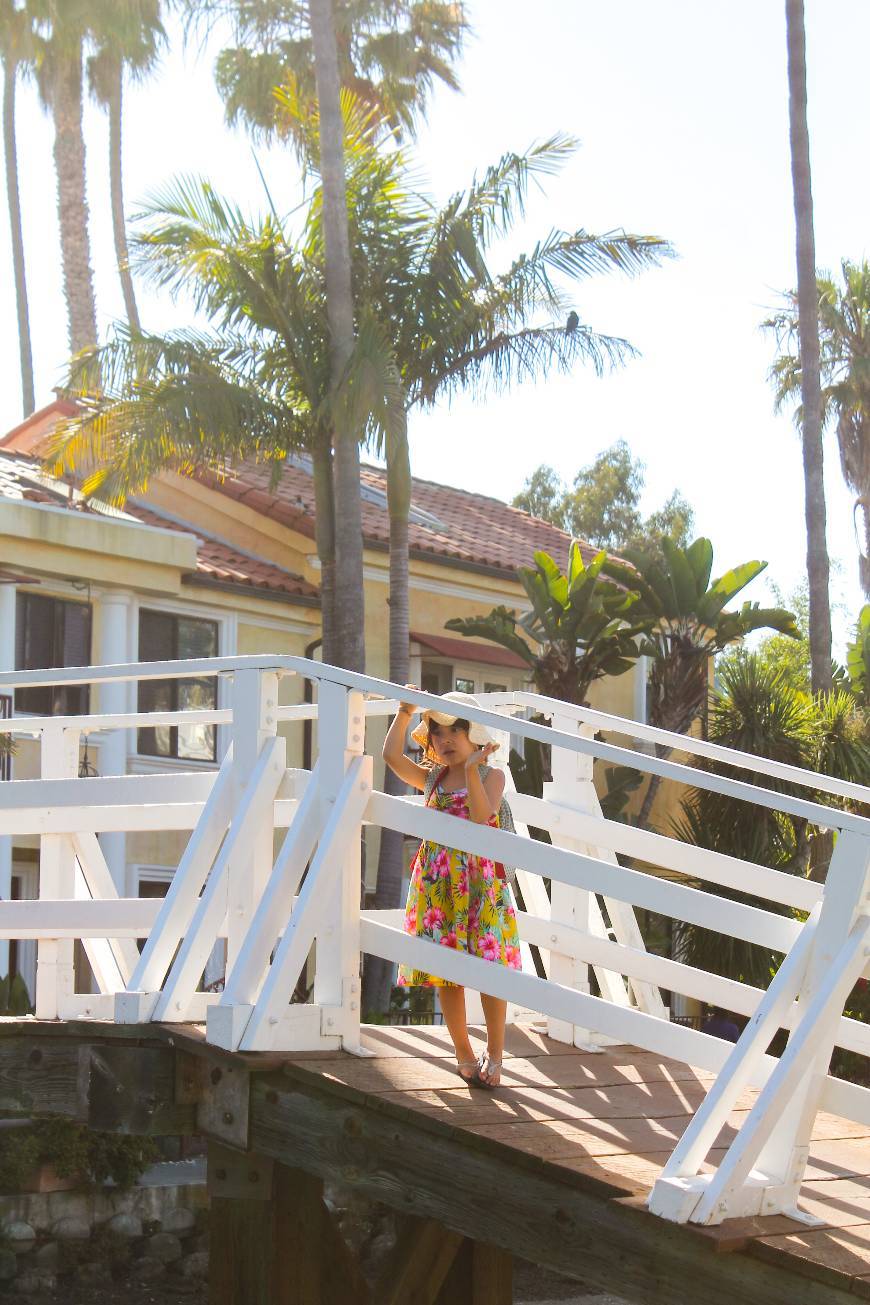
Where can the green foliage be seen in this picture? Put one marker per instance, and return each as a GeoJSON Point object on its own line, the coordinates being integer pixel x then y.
{"type": "Point", "coordinates": [581, 622]}
{"type": "Point", "coordinates": [14, 997]}
{"type": "Point", "coordinates": [757, 710]}
{"type": "Point", "coordinates": [858, 659]}
{"type": "Point", "coordinates": [620, 783]}
{"type": "Point", "coordinates": [691, 622]}
{"type": "Point", "coordinates": [73, 1149]}
{"type": "Point", "coordinates": [603, 505]}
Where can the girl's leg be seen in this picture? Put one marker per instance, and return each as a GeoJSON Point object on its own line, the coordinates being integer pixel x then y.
{"type": "Point", "coordinates": [495, 1014]}
{"type": "Point", "coordinates": [452, 1001]}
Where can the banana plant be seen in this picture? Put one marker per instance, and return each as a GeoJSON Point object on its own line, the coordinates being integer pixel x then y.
{"type": "Point", "coordinates": [689, 623]}
{"type": "Point", "coordinates": [858, 659]}
{"type": "Point", "coordinates": [581, 627]}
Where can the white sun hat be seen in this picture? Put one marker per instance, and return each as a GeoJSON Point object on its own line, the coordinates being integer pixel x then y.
{"type": "Point", "coordinates": [477, 733]}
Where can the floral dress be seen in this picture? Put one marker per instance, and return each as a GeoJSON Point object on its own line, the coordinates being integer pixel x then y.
{"type": "Point", "coordinates": [458, 900]}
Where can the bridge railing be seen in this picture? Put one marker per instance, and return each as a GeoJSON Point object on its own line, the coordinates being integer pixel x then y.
{"type": "Point", "coordinates": [276, 910]}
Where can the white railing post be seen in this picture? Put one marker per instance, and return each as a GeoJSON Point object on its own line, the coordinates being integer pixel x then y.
{"type": "Point", "coordinates": [59, 759]}
{"type": "Point", "coordinates": [341, 739]}
{"type": "Point", "coordinates": [255, 722]}
{"type": "Point", "coordinates": [576, 907]}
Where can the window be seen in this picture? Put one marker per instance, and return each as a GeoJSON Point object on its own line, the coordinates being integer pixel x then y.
{"type": "Point", "coordinates": [495, 688]}
{"type": "Point", "coordinates": [51, 632]}
{"type": "Point", "coordinates": [464, 686]}
{"type": "Point", "coordinates": [164, 637]}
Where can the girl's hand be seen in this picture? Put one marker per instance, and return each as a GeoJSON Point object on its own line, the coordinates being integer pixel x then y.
{"type": "Point", "coordinates": [409, 707]}
{"type": "Point", "coordinates": [480, 757]}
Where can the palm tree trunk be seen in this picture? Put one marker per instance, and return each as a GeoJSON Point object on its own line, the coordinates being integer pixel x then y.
{"type": "Point", "coordinates": [116, 182]}
{"type": "Point", "coordinates": [818, 566]}
{"type": "Point", "coordinates": [324, 535]}
{"type": "Point", "coordinates": [378, 972]}
{"type": "Point", "coordinates": [349, 597]}
{"type": "Point", "coordinates": [72, 204]}
{"type": "Point", "coordinates": [10, 72]}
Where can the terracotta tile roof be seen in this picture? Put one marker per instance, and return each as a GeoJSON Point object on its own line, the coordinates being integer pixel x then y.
{"type": "Point", "coordinates": [217, 563]}
{"type": "Point", "coordinates": [466, 650]}
{"type": "Point", "coordinates": [447, 523]}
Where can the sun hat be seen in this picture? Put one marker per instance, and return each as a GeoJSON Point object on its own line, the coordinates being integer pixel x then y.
{"type": "Point", "coordinates": [477, 733]}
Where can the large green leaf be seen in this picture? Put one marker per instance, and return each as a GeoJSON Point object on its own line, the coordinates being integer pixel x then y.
{"type": "Point", "coordinates": [684, 584]}
{"type": "Point", "coordinates": [725, 588]}
{"type": "Point", "coordinates": [499, 627]}
{"type": "Point", "coordinates": [557, 583]}
{"type": "Point", "coordinates": [700, 558]}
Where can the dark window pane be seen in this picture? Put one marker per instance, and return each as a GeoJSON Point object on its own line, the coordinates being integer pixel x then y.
{"type": "Point", "coordinates": [156, 695]}
{"type": "Point", "coordinates": [156, 637]}
{"type": "Point", "coordinates": [197, 742]}
{"type": "Point", "coordinates": [52, 632]}
{"type": "Point", "coordinates": [196, 638]}
{"type": "Point", "coordinates": [165, 637]}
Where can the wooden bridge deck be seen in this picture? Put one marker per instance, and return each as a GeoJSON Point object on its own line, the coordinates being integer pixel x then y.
{"type": "Point", "coordinates": [554, 1166]}
{"type": "Point", "coordinates": [615, 1116]}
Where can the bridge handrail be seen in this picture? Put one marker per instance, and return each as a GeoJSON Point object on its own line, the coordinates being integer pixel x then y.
{"type": "Point", "coordinates": [814, 812]}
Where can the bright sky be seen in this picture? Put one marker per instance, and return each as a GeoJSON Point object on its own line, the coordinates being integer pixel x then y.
{"type": "Point", "coordinates": [681, 108]}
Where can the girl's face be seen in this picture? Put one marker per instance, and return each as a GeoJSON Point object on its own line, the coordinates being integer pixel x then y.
{"type": "Point", "coordinates": [450, 743]}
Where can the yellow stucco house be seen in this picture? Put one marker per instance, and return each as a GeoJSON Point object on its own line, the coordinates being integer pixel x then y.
{"type": "Point", "coordinates": [210, 566]}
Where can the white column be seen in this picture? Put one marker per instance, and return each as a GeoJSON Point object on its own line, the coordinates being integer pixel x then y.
{"type": "Point", "coordinates": [115, 630]}
{"type": "Point", "coordinates": [7, 663]}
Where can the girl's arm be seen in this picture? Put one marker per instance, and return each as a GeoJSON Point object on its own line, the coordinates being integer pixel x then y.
{"type": "Point", "coordinates": [394, 749]}
{"type": "Point", "coordinates": [484, 796]}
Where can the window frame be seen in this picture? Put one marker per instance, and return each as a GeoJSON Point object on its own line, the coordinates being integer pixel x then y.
{"type": "Point", "coordinates": [61, 694]}
{"type": "Point", "coordinates": [176, 615]}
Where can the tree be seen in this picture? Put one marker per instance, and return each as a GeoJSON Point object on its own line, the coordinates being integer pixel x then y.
{"type": "Point", "coordinates": [432, 317]}
{"type": "Point", "coordinates": [844, 329]}
{"type": "Point", "coordinates": [127, 36]}
{"type": "Point", "coordinates": [584, 625]}
{"type": "Point", "coordinates": [603, 505]}
{"type": "Point", "coordinates": [757, 710]}
{"type": "Point", "coordinates": [349, 618]}
{"type": "Point", "coordinates": [818, 568]}
{"type": "Point", "coordinates": [16, 53]}
{"type": "Point", "coordinates": [390, 54]}
{"type": "Point", "coordinates": [62, 31]}
{"type": "Point", "coordinates": [690, 624]}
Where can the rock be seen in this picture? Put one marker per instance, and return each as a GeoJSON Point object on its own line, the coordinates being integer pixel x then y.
{"type": "Point", "coordinates": [125, 1225]}
{"type": "Point", "coordinates": [47, 1257]}
{"type": "Point", "coordinates": [8, 1265]}
{"type": "Point", "coordinates": [380, 1247]}
{"type": "Point", "coordinates": [20, 1234]}
{"type": "Point", "coordinates": [200, 1242]}
{"type": "Point", "coordinates": [35, 1282]}
{"type": "Point", "coordinates": [94, 1274]}
{"type": "Point", "coordinates": [180, 1221]}
{"type": "Point", "coordinates": [195, 1265]}
{"type": "Point", "coordinates": [147, 1269]}
{"type": "Point", "coordinates": [163, 1246]}
{"type": "Point", "coordinates": [71, 1230]}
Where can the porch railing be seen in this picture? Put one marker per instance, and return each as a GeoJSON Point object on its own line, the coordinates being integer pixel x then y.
{"type": "Point", "coordinates": [273, 907]}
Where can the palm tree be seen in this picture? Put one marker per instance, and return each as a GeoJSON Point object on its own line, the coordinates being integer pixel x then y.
{"type": "Point", "coordinates": [62, 31]}
{"type": "Point", "coordinates": [690, 624]}
{"type": "Point", "coordinates": [349, 590]}
{"type": "Point", "coordinates": [16, 53]}
{"type": "Point", "coordinates": [844, 332]}
{"type": "Point", "coordinates": [757, 710]}
{"type": "Point", "coordinates": [127, 36]}
{"type": "Point", "coordinates": [818, 565]}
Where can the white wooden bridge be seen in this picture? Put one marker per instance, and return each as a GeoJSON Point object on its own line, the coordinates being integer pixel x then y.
{"type": "Point", "coordinates": [278, 911]}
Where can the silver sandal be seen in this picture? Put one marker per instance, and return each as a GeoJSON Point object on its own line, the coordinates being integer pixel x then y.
{"type": "Point", "coordinates": [487, 1065]}
{"type": "Point", "coordinates": [472, 1079]}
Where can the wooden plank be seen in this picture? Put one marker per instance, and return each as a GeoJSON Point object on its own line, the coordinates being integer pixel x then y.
{"type": "Point", "coordinates": [543, 1213]}
{"type": "Point", "coordinates": [417, 1269]}
{"type": "Point", "coordinates": [827, 1255]}
{"type": "Point", "coordinates": [480, 1275]}
{"type": "Point", "coordinates": [40, 1078]}
{"type": "Point", "coordinates": [132, 1090]}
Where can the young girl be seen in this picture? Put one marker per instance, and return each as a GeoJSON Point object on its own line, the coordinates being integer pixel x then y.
{"type": "Point", "coordinates": [454, 898]}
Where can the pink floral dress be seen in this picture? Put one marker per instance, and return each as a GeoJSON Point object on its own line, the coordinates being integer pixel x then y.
{"type": "Point", "coordinates": [459, 901]}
